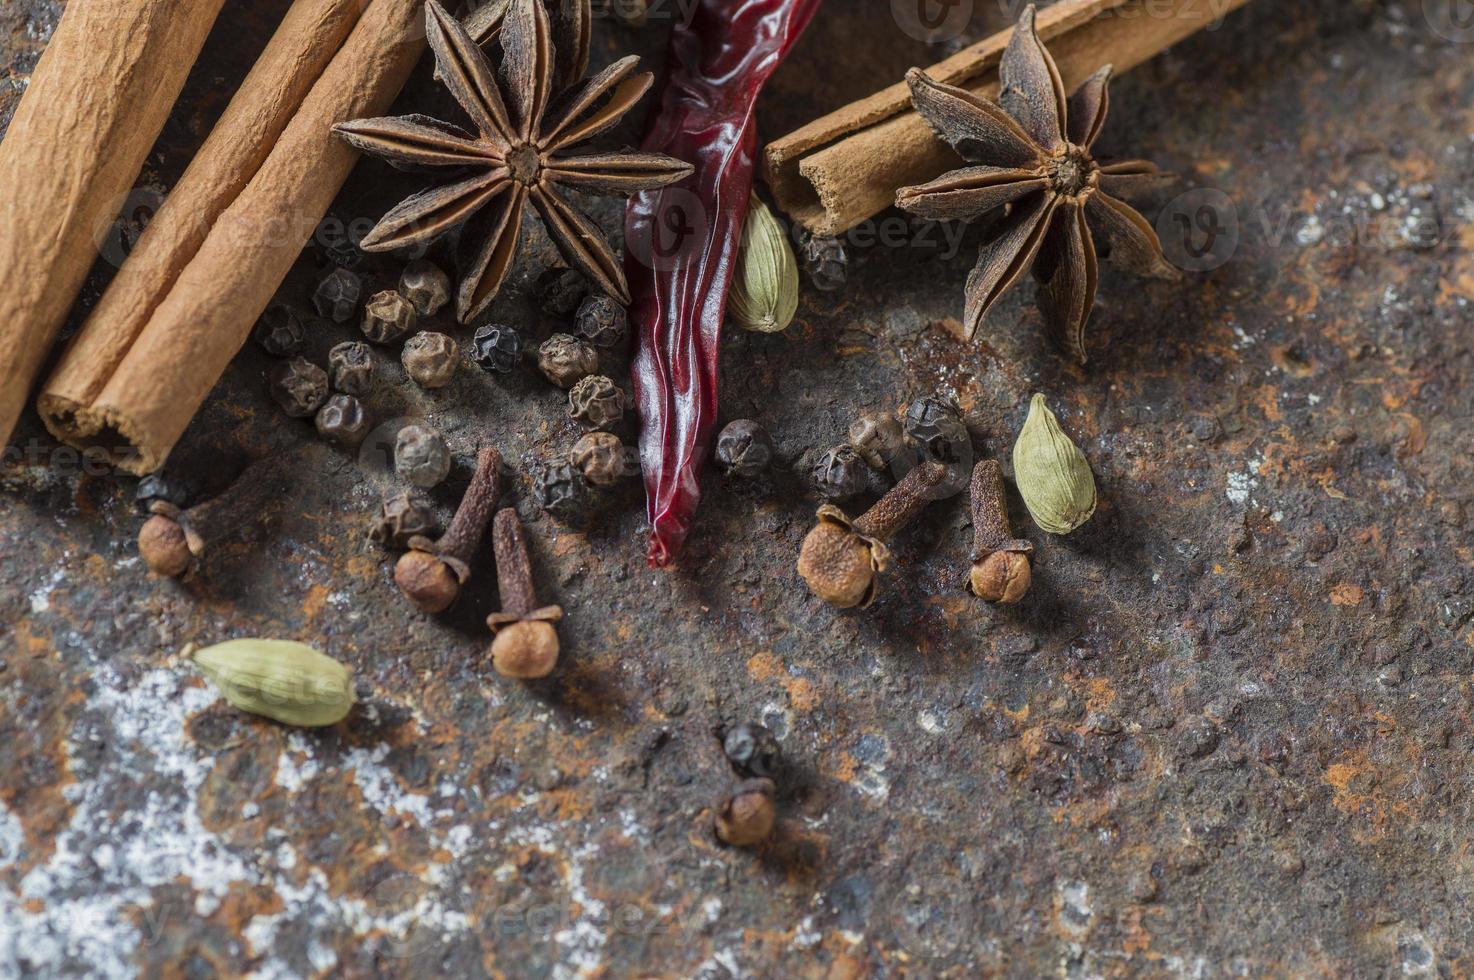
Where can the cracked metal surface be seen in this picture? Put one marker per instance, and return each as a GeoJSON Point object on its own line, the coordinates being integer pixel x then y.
{"type": "Point", "coordinates": [1226, 734]}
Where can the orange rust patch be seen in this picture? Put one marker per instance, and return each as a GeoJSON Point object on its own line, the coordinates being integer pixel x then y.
{"type": "Point", "coordinates": [764, 666]}
{"type": "Point", "coordinates": [1346, 594]}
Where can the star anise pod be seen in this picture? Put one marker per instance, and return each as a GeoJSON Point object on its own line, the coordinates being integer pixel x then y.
{"type": "Point", "coordinates": [1032, 154]}
{"type": "Point", "coordinates": [519, 154]}
{"type": "Point", "coordinates": [571, 21]}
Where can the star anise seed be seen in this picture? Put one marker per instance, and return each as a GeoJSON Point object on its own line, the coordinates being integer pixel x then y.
{"type": "Point", "coordinates": [1031, 153]}
{"type": "Point", "coordinates": [518, 155]}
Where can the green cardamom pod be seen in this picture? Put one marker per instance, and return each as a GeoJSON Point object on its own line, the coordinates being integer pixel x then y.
{"type": "Point", "coordinates": [1052, 474]}
{"type": "Point", "coordinates": [764, 293]}
{"type": "Point", "coordinates": [289, 682]}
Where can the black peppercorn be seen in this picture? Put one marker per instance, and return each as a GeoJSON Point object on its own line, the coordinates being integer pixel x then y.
{"type": "Point", "coordinates": [351, 368]}
{"type": "Point", "coordinates": [388, 317]}
{"type": "Point", "coordinates": [934, 428]}
{"type": "Point", "coordinates": [402, 517]}
{"type": "Point", "coordinates": [596, 401]}
{"type": "Point", "coordinates": [279, 332]}
{"type": "Point", "coordinates": [601, 458]}
{"type": "Point", "coordinates": [426, 286]}
{"type": "Point", "coordinates": [559, 291]}
{"type": "Point", "coordinates": [340, 250]}
{"type": "Point", "coordinates": [825, 261]}
{"type": "Point", "coordinates": [299, 387]}
{"type": "Point", "coordinates": [421, 455]}
{"type": "Point", "coordinates": [343, 420]}
{"type": "Point", "coordinates": [602, 321]}
{"type": "Point", "coordinates": [839, 473]}
{"type": "Point", "coordinates": [752, 750]}
{"type": "Point", "coordinates": [337, 296]}
{"type": "Point", "coordinates": [560, 489]}
{"type": "Point", "coordinates": [171, 489]}
{"type": "Point", "coordinates": [744, 449]}
{"type": "Point", "coordinates": [430, 359]}
{"type": "Point", "coordinates": [497, 348]}
{"type": "Point", "coordinates": [565, 360]}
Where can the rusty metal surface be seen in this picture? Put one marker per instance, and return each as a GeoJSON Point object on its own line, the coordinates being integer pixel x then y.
{"type": "Point", "coordinates": [1226, 734]}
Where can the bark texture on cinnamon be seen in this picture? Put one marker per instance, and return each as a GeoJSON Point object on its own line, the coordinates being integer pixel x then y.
{"type": "Point", "coordinates": [845, 167]}
{"type": "Point", "coordinates": [95, 104]}
{"type": "Point", "coordinates": [149, 399]}
{"type": "Point", "coordinates": [310, 34]}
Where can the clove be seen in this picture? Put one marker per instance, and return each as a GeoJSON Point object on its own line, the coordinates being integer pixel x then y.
{"type": "Point", "coordinates": [526, 643]}
{"type": "Point", "coordinates": [841, 559]}
{"type": "Point", "coordinates": [173, 540]}
{"type": "Point", "coordinates": [1000, 562]}
{"type": "Point", "coordinates": [431, 573]}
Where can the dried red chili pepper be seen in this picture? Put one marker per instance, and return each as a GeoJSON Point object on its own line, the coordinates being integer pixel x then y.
{"type": "Point", "coordinates": [681, 241]}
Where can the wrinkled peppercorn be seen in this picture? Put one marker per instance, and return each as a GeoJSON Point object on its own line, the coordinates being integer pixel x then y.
{"type": "Point", "coordinates": [279, 332]}
{"type": "Point", "coordinates": [560, 489]}
{"type": "Point", "coordinates": [497, 348]}
{"type": "Point", "coordinates": [426, 286]}
{"type": "Point", "coordinates": [744, 449]}
{"type": "Point", "coordinates": [600, 457]}
{"type": "Point", "coordinates": [337, 296]}
{"type": "Point", "coordinates": [934, 428]}
{"type": "Point", "coordinates": [878, 438]}
{"type": "Point", "coordinates": [343, 420]}
{"type": "Point", "coordinates": [421, 455]}
{"type": "Point", "coordinates": [602, 321]}
{"type": "Point", "coordinates": [299, 387]}
{"type": "Point", "coordinates": [596, 401]}
{"type": "Point", "coordinates": [171, 489]}
{"type": "Point", "coordinates": [430, 359]}
{"type": "Point", "coordinates": [388, 317]}
{"type": "Point", "coordinates": [340, 249]}
{"type": "Point", "coordinates": [565, 360]}
{"type": "Point", "coordinates": [401, 517]}
{"type": "Point", "coordinates": [752, 750]}
{"type": "Point", "coordinates": [839, 473]}
{"type": "Point", "coordinates": [559, 291]}
{"type": "Point", "coordinates": [351, 368]}
{"type": "Point", "coordinates": [825, 261]}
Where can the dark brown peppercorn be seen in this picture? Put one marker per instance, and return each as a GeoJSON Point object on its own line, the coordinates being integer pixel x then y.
{"type": "Point", "coordinates": [342, 419]}
{"type": "Point", "coordinates": [825, 261]}
{"type": "Point", "coordinates": [430, 359]}
{"type": "Point", "coordinates": [432, 573]}
{"type": "Point", "coordinates": [1000, 562]}
{"type": "Point", "coordinates": [426, 286]}
{"type": "Point", "coordinates": [752, 750]}
{"type": "Point", "coordinates": [402, 517]}
{"type": "Point", "coordinates": [597, 402]}
{"type": "Point", "coordinates": [338, 295]}
{"type": "Point", "coordinates": [839, 473]}
{"type": "Point", "coordinates": [744, 449]}
{"type": "Point", "coordinates": [497, 348]}
{"type": "Point", "coordinates": [169, 488]}
{"type": "Point", "coordinates": [421, 455]}
{"type": "Point", "coordinates": [748, 816]}
{"type": "Point", "coordinates": [559, 291]}
{"type": "Point", "coordinates": [526, 643]}
{"type": "Point", "coordinates": [602, 321]}
{"type": "Point", "coordinates": [388, 317]}
{"type": "Point", "coordinates": [560, 489]}
{"type": "Point", "coordinates": [934, 428]}
{"type": "Point", "coordinates": [566, 360]}
{"type": "Point", "coordinates": [279, 332]}
{"type": "Point", "coordinates": [299, 387]}
{"type": "Point", "coordinates": [351, 368]}
{"type": "Point", "coordinates": [600, 457]}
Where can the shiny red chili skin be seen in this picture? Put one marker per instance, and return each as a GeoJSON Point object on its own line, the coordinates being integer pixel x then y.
{"type": "Point", "coordinates": [719, 61]}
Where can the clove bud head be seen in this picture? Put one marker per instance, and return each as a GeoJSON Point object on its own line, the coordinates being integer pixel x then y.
{"type": "Point", "coordinates": [164, 547]}
{"type": "Point", "coordinates": [427, 581]}
{"type": "Point", "coordinates": [839, 563]}
{"type": "Point", "coordinates": [1003, 576]}
{"type": "Point", "coordinates": [747, 817]}
{"type": "Point", "coordinates": [525, 650]}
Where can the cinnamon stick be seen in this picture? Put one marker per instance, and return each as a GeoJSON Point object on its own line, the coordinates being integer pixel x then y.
{"type": "Point", "coordinates": [96, 102]}
{"type": "Point", "coordinates": [146, 402]}
{"type": "Point", "coordinates": [845, 167]}
{"type": "Point", "coordinates": [310, 34]}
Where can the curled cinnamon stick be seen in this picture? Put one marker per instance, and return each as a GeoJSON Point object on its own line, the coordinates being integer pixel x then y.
{"type": "Point", "coordinates": [309, 35]}
{"type": "Point", "coordinates": [96, 102]}
{"type": "Point", "coordinates": [845, 167]}
{"type": "Point", "coordinates": [146, 402]}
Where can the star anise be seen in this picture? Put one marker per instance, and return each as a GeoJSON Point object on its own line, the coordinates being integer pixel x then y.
{"type": "Point", "coordinates": [571, 21]}
{"type": "Point", "coordinates": [1032, 154]}
{"type": "Point", "coordinates": [518, 154]}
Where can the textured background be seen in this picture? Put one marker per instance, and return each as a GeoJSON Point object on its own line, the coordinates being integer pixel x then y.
{"type": "Point", "coordinates": [1226, 734]}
